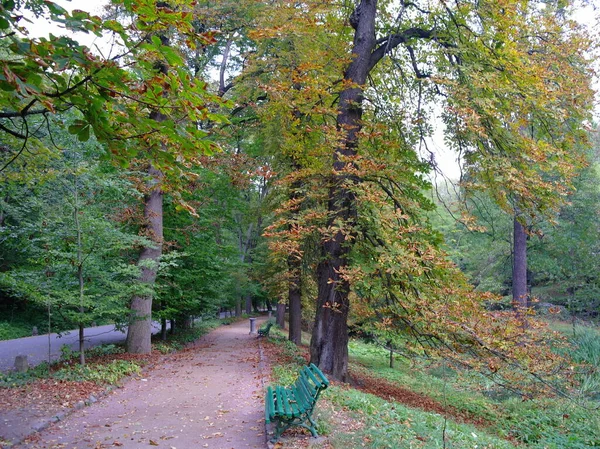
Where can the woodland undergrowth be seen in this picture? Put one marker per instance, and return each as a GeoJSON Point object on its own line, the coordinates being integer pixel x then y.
{"type": "Point", "coordinates": [427, 403]}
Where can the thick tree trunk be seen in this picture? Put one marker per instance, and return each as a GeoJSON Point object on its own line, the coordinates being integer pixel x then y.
{"type": "Point", "coordinates": [519, 269]}
{"type": "Point", "coordinates": [139, 331]}
{"type": "Point", "coordinates": [295, 301]}
{"type": "Point", "coordinates": [329, 342]}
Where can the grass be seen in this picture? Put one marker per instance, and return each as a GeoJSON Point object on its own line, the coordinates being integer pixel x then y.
{"type": "Point", "coordinates": [353, 418]}
{"type": "Point", "coordinates": [391, 425]}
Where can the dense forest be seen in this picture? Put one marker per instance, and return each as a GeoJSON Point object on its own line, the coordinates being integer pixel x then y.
{"type": "Point", "coordinates": [203, 156]}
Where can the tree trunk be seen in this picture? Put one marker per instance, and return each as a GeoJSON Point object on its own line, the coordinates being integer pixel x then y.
{"type": "Point", "coordinates": [163, 329]}
{"type": "Point", "coordinates": [294, 266]}
{"type": "Point", "coordinates": [238, 306]}
{"type": "Point", "coordinates": [280, 315]}
{"type": "Point", "coordinates": [248, 304]}
{"type": "Point", "coordinates": [519, 269]}
{"type": "Point", "coordinates": [295, 300]}
{"type": "Point", "coordinates": [329, 342]}
{"type": "Point", "coordinates": [81, 344]}
{"type": "Point", "coordinates": [184, 322]}
{"type": "Point", "coordinates": [139, 331]}
{"type": "Point", "coordinates": [80, 279]}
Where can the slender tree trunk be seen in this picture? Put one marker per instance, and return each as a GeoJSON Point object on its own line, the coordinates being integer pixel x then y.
{"type": "Point", "coordinates": [295, 300]}
{"type": "Point", "coordinates": [248, 304]}
{"type": "Point", "coordinates": [163, 329]}
{"type": "Point", "coordinates": [79, 273]}
{"type": "Point", "coordinates": [329, 342]}
{"type": "Point", "coordinates": [238, 306]}
{"type": "Point", "coordinates": [519, 272]}
{"type": "Point", "coordinates": [280, 315]}
{"type": "Point", "coordinates": [184, 322]}
{"type": "Point", "coordinates": [294, 265]}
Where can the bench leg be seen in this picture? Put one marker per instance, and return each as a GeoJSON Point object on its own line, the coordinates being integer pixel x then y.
{"type": "Point", "coordinates": [282, 426]}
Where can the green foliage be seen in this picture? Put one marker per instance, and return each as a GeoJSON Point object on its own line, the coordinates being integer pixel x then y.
{"type": "Point", "coordinates": [67, 354]}
{"type": "Point", "coordinates": [48, 75]}
{"type": "Point", "coordinates": [11, 330]}
{"type": "Point", "coordinates": [107, 373]}
{"type": "Point", "coordinates": [562, 263]}
{"type": "Point", "coordinates": [12, 379]}
{"type": "Point", "coordinates": [59, 231]}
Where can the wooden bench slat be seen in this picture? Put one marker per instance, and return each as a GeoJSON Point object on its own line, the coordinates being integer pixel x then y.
{"type": "Point", "coordinates": [303, 401]}
{"type": "Point", "coordinates": [286, 403]}
{"type": "Point", "coordinates": [313, 368]}
{"type": "Point", "coordinates": [279, 402]}
{"type": "Point", "coordinates": [310, 388]}
{"type": "Point", "coordinates": [309, 392]}
{"type": "Point", "coordinates": [310, 374]}
{"type": "Point", "coordinates": [293, 401]}
{"type": "Point", "coordinates": [301, 395]}
{"type": "Point", "coordinates": [270, 405]}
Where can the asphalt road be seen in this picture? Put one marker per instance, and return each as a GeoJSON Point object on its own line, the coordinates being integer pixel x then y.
{"type": "Point", "coordinates": [36, 348]}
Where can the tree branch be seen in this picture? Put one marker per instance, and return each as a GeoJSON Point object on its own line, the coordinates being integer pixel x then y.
{"type": "Point", "coordinates": [393, 40]}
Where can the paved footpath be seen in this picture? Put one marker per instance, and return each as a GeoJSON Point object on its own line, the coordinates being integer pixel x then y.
{"type": "Point", "coordinates": [209, 396]}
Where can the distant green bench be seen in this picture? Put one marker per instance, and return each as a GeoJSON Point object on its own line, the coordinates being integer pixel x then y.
{"type": "Point", "coordinates": [293, 405]}
{"type": "Point", "coordinates": [264, 331]}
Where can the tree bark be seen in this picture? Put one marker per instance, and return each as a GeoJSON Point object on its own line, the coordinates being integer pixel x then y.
{"type": "Point", "coordinates": [248, 304]}
{"type": "Point", "coordinates": [329, 342]}
{"type": "Point", "coordinates": [163, 329]}
{"type": "Point", "coordinates": [80, 279]}
{"type": "Point", "coordinates": [139, 331]}
{"type": "Point", "coordinates": [519, 269]}
{"type": "Point", "coordinates": [294, 263]}
{"type": "Point", "coordinates": [295, 301]}
{"type": "Point", "coordinates": [280, 315]}
{"type": "Point", "coordinates": [238, 306]}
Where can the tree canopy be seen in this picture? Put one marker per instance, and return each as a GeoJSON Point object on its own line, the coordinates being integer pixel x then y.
{"type": "Point", "coordinates": [321, 114]}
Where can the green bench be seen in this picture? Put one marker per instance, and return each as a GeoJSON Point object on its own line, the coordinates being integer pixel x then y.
{"type": "Point", "coordinates": [293, 405]}
{"type": "Point", "coordinates": [264, 331]}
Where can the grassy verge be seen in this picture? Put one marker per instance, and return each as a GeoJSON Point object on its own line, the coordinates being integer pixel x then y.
{"type": "Point", "coordinates": [475, 414]}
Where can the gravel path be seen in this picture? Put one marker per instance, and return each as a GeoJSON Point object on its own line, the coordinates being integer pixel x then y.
{"type": "Point", "coordinates": [208, 396]}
